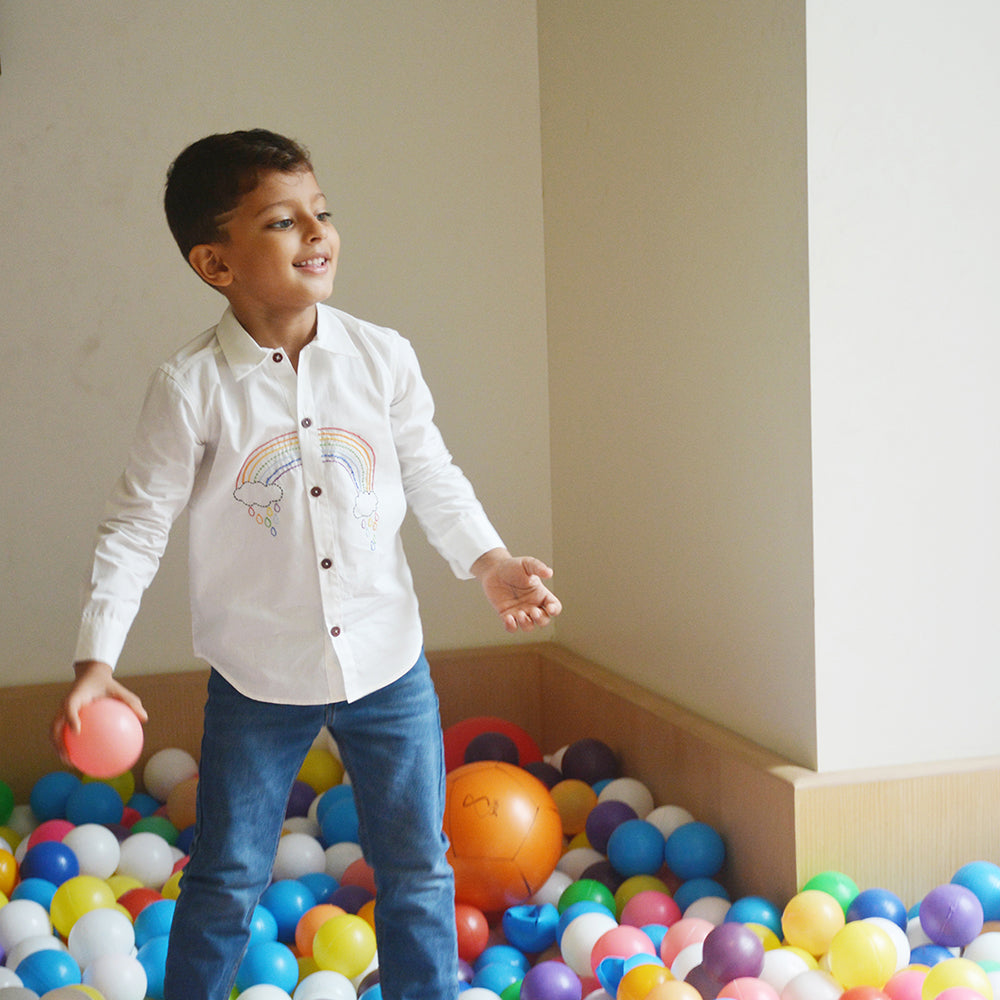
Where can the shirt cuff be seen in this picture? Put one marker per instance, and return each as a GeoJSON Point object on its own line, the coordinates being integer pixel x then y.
{"type": "Point", "coordinates": [465, 541]}
{"type": "Point", "coordinates": [100, 639]}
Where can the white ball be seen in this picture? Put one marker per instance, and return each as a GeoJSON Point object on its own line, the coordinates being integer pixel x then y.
{"type": "Point", "coordinates": [579, 938]}
{"type": "Point", "coordinates": [552, 888]}
{"type": "Point", "coordinates": [630, 791]}
{"type": "Point", "coordinates": [264, 991]}
{"type": "Point", "coordinates": [898, 937]}
{"type": "Point", "coordinates": [339, 857]}
{"type": "Point", "coordinates": [117, 977]}
{"type": "Point", "coordinates": [103, 931]}
{"type": "Point", "coordinates": [8, 978]}
{"type": "Point", "coordinates": [710, 908]}
{"type": "Point", "coordinates": [302, 824]}
{"type": "Point", "coordinates": [20, 919]}
{"type": "Point", "coordinates": [476, 993]}
{"type": "Point", "coordinates": [812, 985]}
{"type": "Point", "coordinates": [666, 819]}
{"type": "Point", "coordinates": [147, 857]}
{"type": "Point", "coordinates": [165, 769]}
{"type": "Point", "coordinates": [575, 862]}
{"type": "Point", "coordinates": [686, 959]}
{"type": "Point", "coordinates": [298, 854]}
{"type": "Point", "coordinates": [984, 948]}
{"type": "Point", "coordinates": [325, 985]}
{"type": "Point", "coordinates": [781, 966]}
{"type": "Point", "coordinates": [28, 946]}
{"type": "Point", "coordinates": [96, 848]}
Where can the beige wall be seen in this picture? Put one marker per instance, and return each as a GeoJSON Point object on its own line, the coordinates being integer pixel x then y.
{"type": "Point", "coordinates": [675, 224]}
{"type": "Point", "coordinates": [424, 131]}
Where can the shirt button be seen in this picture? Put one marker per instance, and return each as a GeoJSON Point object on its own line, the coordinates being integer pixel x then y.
{"type": "Point", "coordinates": [277, 357]}
{"type": "Point", "coordinates": [306, 422]}
{"type": "Point", "coordinates": [335, 631]}
{"type": "Point", "coordinates": [315, 491]}
{"type": "Point", "coordinates": [326, 563]}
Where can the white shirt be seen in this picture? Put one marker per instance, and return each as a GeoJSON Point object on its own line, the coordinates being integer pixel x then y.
{"type": "Point", "coordinates": [296, 485]}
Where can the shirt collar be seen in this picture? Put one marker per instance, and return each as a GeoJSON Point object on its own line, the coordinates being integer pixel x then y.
{"type": "Point", "coordinates": [243, 354]}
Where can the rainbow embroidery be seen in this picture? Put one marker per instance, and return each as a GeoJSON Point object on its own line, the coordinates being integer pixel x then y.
{"type": "Point", "coordinates": [257, 483]}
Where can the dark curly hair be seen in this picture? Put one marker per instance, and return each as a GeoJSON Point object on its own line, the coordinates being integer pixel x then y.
{"type": "Point", "coordinates": [208, 179]}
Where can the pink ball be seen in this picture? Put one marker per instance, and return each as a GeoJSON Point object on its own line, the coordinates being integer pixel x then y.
{"type": "Point", "coordinates": [620, 942]}
{"type": "Point", "coordinates": [651, 907]}
{"type": "Point", "coordinates": [748, 988]}
{"type": "Point", "coordinates": [109, 741]}
{"type": "Point", "coordinates": [687, 930]}
{"type": "Point", "coordinates": [960, 993]}
{"type": "Point", "coordinates": [907, 984]}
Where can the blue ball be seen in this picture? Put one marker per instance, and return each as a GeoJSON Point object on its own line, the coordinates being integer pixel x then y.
{"type": "Point", "coordinates": [694, 850]}
{"type": "Point", "coordinates": [144, 804]}
{"type": "Point", "coordinates": [878, 903]}
{"type": "Point", "coordinates": [50, 860]}
{"type": "Point", "coordinates": [330, 798]}
{"type": "Point", "coordinates": [504, 954]}
{"type": "Point", "coordinates": [497, 976]}
{"type": "Point", "coordinates": [983, 879]}
{"type": "Point", "coordinates": [36, 889]}
{"type": "Point", "coordinates": [49, 794]}
{"type": "Point", "coordinates": [154, 921]}
{"type": "Point", "coordinates": [320, 884]}
{"type": "Point", "coordinates": [756, 910]}
{"type": "Point", "coordinates": [152, 956]}
{"type": "Point", "coordinates": [268, 962]}
{"type": "Point", "coordinates": [287, 899]}
{"type": "Point", "coordinates": [263, 926]}
{"type": "Point", "coordinates": [574, 910]}
{"type": "Point", "coordinates": [635, 847]}
{"type": "Point", "coordinates": [340, 821]}
{"type": "Point", "coordinates": [929, 954]}
{"type": "Point", "coordinates": [43, 971]}
{"type": "Point", "coordinates": [698, 888]}
{"type": "Point", "coordinates": [94, 802]}
{"type": "Point", "coordinates": [531, 928]}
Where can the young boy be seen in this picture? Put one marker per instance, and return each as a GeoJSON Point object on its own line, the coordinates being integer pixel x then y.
{"type": "Point", "coordinates": [296, 436]}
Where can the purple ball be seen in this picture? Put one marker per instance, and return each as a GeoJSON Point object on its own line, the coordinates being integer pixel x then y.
{"type": "Point", "coordinates": [350, 898]}
{"type": "Point", "coordinates": [731, 951]}
{"type": "Point", "coordinates": [492, 746]}
{"type": "Point", "coordinates": [300, 799]}
{"type": "Point", "coordinates": [589, 760]}
{"type": "Point", "coordinates": [548, 774]}
{"type": "Point", "coordinates": [951, 915]}
{"type": "Point", "coordinates": [604, 819]}
{"type": "Point", "coordinates": [551, 980]}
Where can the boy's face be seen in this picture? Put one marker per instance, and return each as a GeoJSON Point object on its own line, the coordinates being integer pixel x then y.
{"type": "Point", "coordinates": [278, 256]}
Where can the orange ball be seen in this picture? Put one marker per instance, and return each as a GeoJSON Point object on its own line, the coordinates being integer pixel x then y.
{"type": "Point", "coordinates": [504, 833]}
{"type": "Point", "coordinates": [8, 872]}
{"type": "Point", "coordinates": [310, 922]}
{"type": "Point", "coordinates": [574, 799]}
{"type": "Point", "coordinates": [181, 803]}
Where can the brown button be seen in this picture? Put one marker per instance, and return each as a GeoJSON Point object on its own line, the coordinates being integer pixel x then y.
{"type": "Point", "coordinates": [306, 422]}
{"type": "Point", "coordinates": [277, 357]}
{"type": "Point", "coordinates": [326, 563]}
{"type": "Point", "coordinates": [335, 631]}
{"type": "Point", "coordinates": [315, 491]}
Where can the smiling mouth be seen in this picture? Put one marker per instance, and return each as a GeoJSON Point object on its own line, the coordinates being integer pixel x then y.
{"type": "Point", "coordinates": [313, 263]}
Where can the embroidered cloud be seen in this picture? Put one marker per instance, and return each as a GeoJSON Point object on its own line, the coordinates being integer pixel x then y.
{"type": "Point", "coordinates": [365, 505]}
{"type": "Point", "coordinates": [258, 494]}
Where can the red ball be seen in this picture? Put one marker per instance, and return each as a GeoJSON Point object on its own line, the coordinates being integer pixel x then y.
{"type": "Point", "coordinates": [458, 737]}
{"type": "Point", "coordinates": [473, 931]}
{"type": "Point", "coordinates": [109, 741]}
{"type": "Point", "coordinates": [504, 832]}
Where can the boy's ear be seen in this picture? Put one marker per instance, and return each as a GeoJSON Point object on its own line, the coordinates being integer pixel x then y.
{"type": "Point", "coordinates": [209, 265]}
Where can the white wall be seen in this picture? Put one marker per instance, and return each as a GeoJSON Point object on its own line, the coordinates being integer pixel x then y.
{"type": "Point", "coordinates": [904, 156]}
{"type": "Point", "coordinates": [424, 132]}
{"type": "Point", "coordinates": [675, 222]}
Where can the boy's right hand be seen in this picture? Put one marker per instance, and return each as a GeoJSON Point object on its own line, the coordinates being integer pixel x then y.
{"type": "Point", "coordinates": [94, 680]}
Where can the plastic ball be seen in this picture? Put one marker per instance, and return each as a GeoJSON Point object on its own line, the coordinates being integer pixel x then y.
{"type": "Point", "coordinates": [587, 890]}
{"type": "Point", "coordinates": [781, 966]}
{"type": "Point", "coordinates": [898, 936]}
{"type": "Point", "coordinates": [756, 910]}
{"type": "Point", "coordinates": [930, 954]}
{"type": "Point", "coordinates": [687, 931]}
{"type": "Point", "coordinates": [622, 941]}
{"type": "Point", "coordinates": [577, 860]}
{"type": "Point", "coordinates": [94, 802]}
{"type": "Point", "coordinates": [574, 799]}
{"type": "Point", "coordinates": [907, 984]}
{"type": "Point", "coordinates": [267, 962]}
{"type": "Point", "coordinates": [694, 850]}
{"type": "Point", "coordinates": [604, 819]}
{"type": "Point", "coordinates": [47, 970]}
{"type": "Point", "coordinates": [97, 849]}
{"type": "Point", "coordinates": [265, 991]}
{"type": "Point", "coordinates": [77, 896]}
{"type": "Point", "coordinates": [136, 898]}
{"type": "Point", "coordinates": [732, 951]}
{"type": "Point", "coordinates": [551, 980]}
{"type": "Point", "coordinates": [287, 900]}
{"type": "Point", "coordinates": [473, 931]}
{"type": "Point", "coordinates": [812, 985]}
{"type": "Point", "coordinates": [49, 794]}
{"type": "Point", "coordinates": [842, 887]}
{"type": "Point", "coordinates": [955, 972]}
{"type": "Point", "coordinates": [154, 921]}
{"type": "Point", "coordinates": [637, 982]}
{"type": "Point", "coordinates": [878, 903]}
{"type": "Point", "coordinates": [546, 773]}
{"type": "Point", "coordinates": [686, 961]}
{"type": "Point", "coordinates": [344, 944]}
{"type": "Point", "coordinates": [630, 791]}
{"type": "Point", "coordinates": [325, 985]}
{"type": "Point", "coordinates": [650, 907]}
{"type": "Point", "coordinates": [810, 920]}
{"type": "Point", "coordinates": [862, 954]}
{"type": "Point", "coordinates": [698, 888]}
{"type": "Point", "coordinates": [117, 977]}
{"type": "Point", "coordinates": [635, 847]}
{"type": "Point", "coordinates": [531, 928]}
{"type": "Point", "coordinates": [166, 768]}
{"type": "Point", "coordinates": [50, 860]}
{"type": "Point", "coordinates": [503, 954]}
{"type": "Point", "coordinates": [152, 956]}
{"type": "Point", "coordinates": [458, 736]}
{"type": "Point", "coordinates": [147, 858]}
{"type": "Point", "coordinates": [109, 741]}
{"type": "Point", "coordinates": [338, 818]}
{"type": "Point", "coordinates": [181, 801]}
{"type": "Point", "coordinates": [321, 769]}
{"type": "Point", "coordinates": [711, 908]}
{"type": "Point", "coordinates": [36, 889]}
{"type": "Point", "coordinates": [504, 833]}
{"type": "Point", "coordinates": [590, 760]}
{"type": "Point", "coordinates": [983, 878]}
{"type": "Point", "coordinates": [984, 948]}
{"type": "Point", "coordinates": [100, 932]}
{"type": "Point", "coordinates": [636, 884]}
{"type": "Point", "coordinates": [20, 919]}
{"type": "Point", "coordinates": [579, 938]}
{"type": "Point", "coordinates": [492, 746]}
{"type": "Point", "coordinates": [496, 977]}
{"type": "Point", "coordinates": [298, 854]}
{"type": "Point", "coordinates": [951, 915]}
{"type": "Point", "coordinates": [864, 993]}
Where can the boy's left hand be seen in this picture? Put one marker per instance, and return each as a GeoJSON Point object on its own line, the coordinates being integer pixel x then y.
{"type": "Point", "coordinates": [513, 585]}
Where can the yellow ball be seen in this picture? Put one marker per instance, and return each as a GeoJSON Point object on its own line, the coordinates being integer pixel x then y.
{"type": "Point", "coordinates": [637, 982]}
{"type": "Point", "coordinates": [956, 972]}
{"type": "Point", "coordinates": [345, 944]}
{"type": "Point", "coordinates": [674, 989]}
{"type": "Point", "coordinates": [321, 770]}
{"type": "Point", "coordinates": [124, 784]}
{"type": "Point", "coordinates": [171, 889]}
{"type": "Point", "coordinates": [862, 954]}
{"type": "Point", "coordinates": [77, 896]}
{"type": "Point", "coordinates": [636, 884]}
{"type": "Point", "coordinates": [768, 938]}
{"type": "Point", "coordinates": [810, 920]}
{"type": "Point", "coordinates": [574, 799]}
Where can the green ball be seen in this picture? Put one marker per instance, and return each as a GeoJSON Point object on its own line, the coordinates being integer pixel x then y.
{"type": "Point", "coordinates": [6, 802]}
{"type": "Point", "coordinates": [159, 825]}
{"type": "Point", "coordinates": [842, 887]}
{"type": "Point", "coordinates": [587, 890]}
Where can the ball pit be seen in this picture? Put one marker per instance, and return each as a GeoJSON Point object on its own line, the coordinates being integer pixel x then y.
{"type": "Point", "coordinates": [631, 904]}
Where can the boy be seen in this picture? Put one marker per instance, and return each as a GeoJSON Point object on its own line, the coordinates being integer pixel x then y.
{"type": "Point", "coordinates": [296, 436]}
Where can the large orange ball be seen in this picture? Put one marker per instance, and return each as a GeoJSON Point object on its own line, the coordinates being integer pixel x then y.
{"type": "Point", "coordinates": [505, 834]}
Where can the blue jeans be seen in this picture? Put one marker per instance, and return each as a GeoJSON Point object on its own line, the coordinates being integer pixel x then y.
{"type": "Point", "coordinates": [390, 744]}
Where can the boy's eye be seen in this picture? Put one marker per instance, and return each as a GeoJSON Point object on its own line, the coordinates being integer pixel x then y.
{"type": "Point", "coordinates": [324, 216]}
{"type": "Point", "coordinates": [281, 224]}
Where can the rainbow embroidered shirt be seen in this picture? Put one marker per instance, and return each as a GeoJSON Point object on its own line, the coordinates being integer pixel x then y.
{"type": "Point", "coordinates": [296, 484]}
